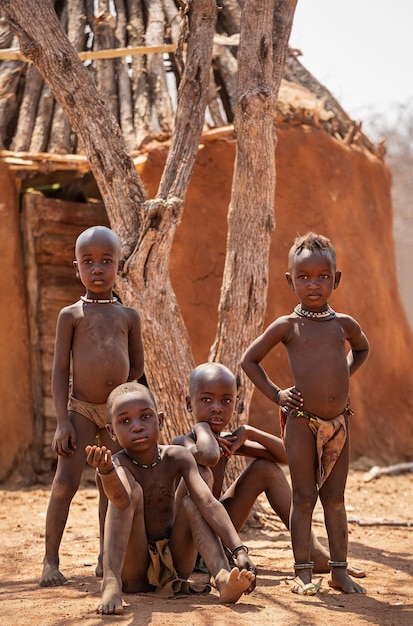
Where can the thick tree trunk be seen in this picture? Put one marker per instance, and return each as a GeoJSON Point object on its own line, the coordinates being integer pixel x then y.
{"type": "Point", "coordinates": [265, 30]}
{"type": "Point", "coordinates": [263, 47]}
{"type": "Point", "coordinates": [168, 354]}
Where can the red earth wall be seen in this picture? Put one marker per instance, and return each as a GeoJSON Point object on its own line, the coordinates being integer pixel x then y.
{"type": "Point", "coordinates": [16, 415]}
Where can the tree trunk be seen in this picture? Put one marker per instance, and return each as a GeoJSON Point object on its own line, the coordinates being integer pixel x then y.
{"type": "Point", "coordinates": [168, 354]}
{"type": "Point", "coordinates": [264, 34]}
{"type": "Point", "coordinates": [261, 56]}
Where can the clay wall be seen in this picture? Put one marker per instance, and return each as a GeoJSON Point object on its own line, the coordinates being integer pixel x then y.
{"type": "Point", "coordinates": [16, 414]}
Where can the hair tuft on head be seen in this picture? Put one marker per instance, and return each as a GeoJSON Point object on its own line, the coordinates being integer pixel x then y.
{"type": "Point", "coordinates": [315, 243]}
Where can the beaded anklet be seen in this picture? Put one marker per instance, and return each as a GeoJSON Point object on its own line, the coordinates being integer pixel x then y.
{"type": "Point", "coordinates": [337, 563]}
{"type": "Point", "coordinates": [308, 565]}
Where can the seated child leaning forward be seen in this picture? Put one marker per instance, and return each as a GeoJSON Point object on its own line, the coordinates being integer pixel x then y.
{"type": "Point", "coordinates": [140, 482]}
{"type": "Point", "coordinates": [315, 409]}
{"type": "Point", "coordinates": [212, 400]}
{"type": "Point", "coordinates": [100, 339]}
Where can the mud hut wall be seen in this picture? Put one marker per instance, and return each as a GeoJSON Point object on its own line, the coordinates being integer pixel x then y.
{"type": "Point", "coordinates": [16, 415]}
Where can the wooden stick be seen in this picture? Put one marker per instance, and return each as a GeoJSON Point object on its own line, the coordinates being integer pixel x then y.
{"type": "Point", "coordinates": [14, 54]}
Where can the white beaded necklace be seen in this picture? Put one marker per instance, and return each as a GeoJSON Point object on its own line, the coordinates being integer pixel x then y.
{"type": "Point", "coordinates": [93, 301]}
{"type": "Point", "coordinates": [329, 313]}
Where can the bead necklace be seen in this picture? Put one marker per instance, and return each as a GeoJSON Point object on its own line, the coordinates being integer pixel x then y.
{"type": "Point", "coordinates": [329, 313]}
{"type": "Point", "coordinates": [144, 464]}
{"type": "Point", "coordinates": [93, 301]}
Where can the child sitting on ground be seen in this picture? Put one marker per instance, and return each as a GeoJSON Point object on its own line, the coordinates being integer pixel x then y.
{"type": "Point", "coordinates": [212, 400]}
{"type": "Point", "coordinates": [143, 525]}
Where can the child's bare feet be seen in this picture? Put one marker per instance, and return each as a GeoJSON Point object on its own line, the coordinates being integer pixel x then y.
{"type": "Point", "coordinates": [231, 585]}
{"type": "Point", "coordinates": [51, 575]}
{"type": "Point", "coordinates": [339, 579]}
{"type": "Point", "coordinates": [111, 601]}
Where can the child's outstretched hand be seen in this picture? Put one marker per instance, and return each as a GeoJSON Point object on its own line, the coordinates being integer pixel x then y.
{"type": "Point", "coordinates": [101, 458]}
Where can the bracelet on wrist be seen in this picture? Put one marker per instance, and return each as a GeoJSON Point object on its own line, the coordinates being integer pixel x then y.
{"type": "Point", "coordinates": [277, 397]}
{"type": "Point", "coordinates": [105, 473]}
{"type": "Point", "coordinates": [238, 549]}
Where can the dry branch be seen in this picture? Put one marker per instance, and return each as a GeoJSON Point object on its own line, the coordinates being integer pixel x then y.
{"type": "Point", "coordinates": [376, 472]}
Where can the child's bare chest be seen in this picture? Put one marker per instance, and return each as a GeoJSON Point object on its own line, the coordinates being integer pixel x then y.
{"type": "Point", "coordinates": [159, 506]}
{"type": "Point", "coordinates": [317, 346]}
{"type": "Point", "coordinates": [158, 485]}
{"type": "Point", "coordinates": [101, 329]}
{"type": "Point", "coordinates": [313, 332]}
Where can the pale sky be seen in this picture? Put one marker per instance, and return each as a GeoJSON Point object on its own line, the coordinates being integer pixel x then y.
{"type": "Point", "coordinates": [361, 50]}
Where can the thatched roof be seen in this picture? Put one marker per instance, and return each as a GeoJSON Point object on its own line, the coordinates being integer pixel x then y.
{"type": "Point", "coordinates": [130, 48]}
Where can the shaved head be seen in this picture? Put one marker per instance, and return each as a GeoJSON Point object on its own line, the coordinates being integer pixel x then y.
{"type": "Point", "coordinates": [100, 235]}
{"type": "Point", "coordinates": [209, 371]}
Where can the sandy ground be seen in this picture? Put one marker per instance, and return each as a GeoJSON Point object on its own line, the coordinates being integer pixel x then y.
{"type": "Point", "coordinates": [385, 550]}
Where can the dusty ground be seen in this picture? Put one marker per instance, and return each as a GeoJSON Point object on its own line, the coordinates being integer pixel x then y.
{"type": "Point", "coordinates": [385, 551]}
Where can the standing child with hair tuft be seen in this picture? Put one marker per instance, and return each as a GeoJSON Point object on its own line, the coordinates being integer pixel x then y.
{"type": "Point", "coordinates": [315, 410]}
